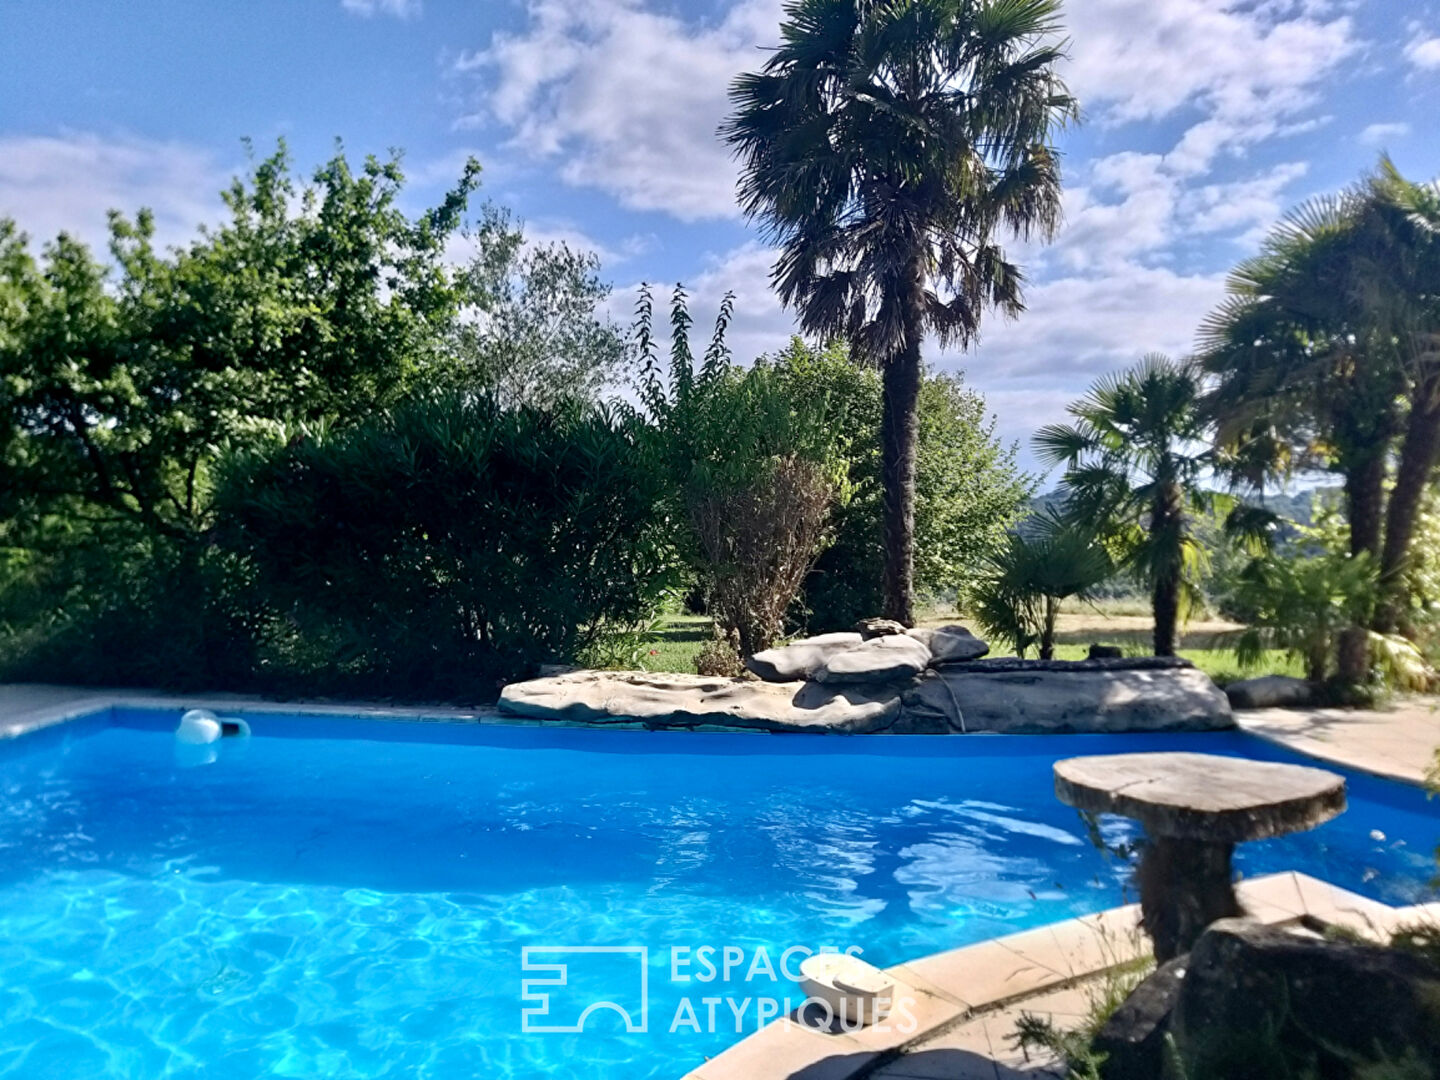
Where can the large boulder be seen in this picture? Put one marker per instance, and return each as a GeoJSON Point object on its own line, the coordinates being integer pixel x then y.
{"type": "Point", "coordinates": [949, 644]}
{"type": "Point", "coordinates": [1133, 1039]}
{"type": "Point", "coordinates": [1086, 696]}
{"type": "Point", "coordinates": [644, 699]}
{"type": "Point", "coordinates": [800, 659]}
{"type": "Point", "coordinates": [889, 659]}
{"type": "Point", "coordinates": [1260, 1001]}
{"type": "Point", "coordinates": [1270, 691]}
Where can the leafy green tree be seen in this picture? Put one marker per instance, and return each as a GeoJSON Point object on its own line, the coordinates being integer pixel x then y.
{"type": "Point", "coordinates": [1032, 572]}
{"type": "Point", "coordinates": [122, 385]}
{"type": "Point", "coordinates": [886, 147]}
{"type": "Point", "coordinates": [1325, 354]}
{"type": "Point", "coordinates": [1136, 459]}
{"type": "Point", "coordinates": [1305, 379]}
{"type": "Point", "coordinates": [969, 490]}
{"type": "Point", "coordinates": [534, 330]}
{"type": "Point", "coordinates": [1404, 295]}
{"type": "Point", "coordinates": [117, 388]}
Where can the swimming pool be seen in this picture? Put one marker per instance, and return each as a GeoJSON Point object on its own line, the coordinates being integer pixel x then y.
{"type": "Point", "coordinates": [354, 898]}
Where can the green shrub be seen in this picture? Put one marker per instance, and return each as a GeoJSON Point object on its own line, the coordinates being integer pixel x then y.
{"type": "Point", "coordinates": [1301, 604]}
{"type": "Point", "coordinates": [1019, 599]}
{"type": "Point", "coordinates": [453, 544]}
{"type": "Point", "coordinates": [755, 472]}
{"type": "Point", "coordinates": [119, 606]}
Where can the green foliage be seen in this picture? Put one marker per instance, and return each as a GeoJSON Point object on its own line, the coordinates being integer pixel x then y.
{"type": "Point", "coordinates": [1105, 994]}
{"type": "Point", "coordinates": [125, 606]}
{"type": "Point", "coordinates": [754, 469]}
{"type": "Point", "coordinates": [533, 329]}
{"type": "Point", "coordinates": [121, 385]}
{"type": "Point", "coordinates": [968, 488]}
{"type": "Point", "coordinates": [116, 389]}
{"type": "Point", "coordinates": [1324, 356]}
{"type": "Point", "coordinates": [452, 543]}
{"type": "Point", "coordinates": [719, 657]}
{"type": "Point", "coordinates": [1031, 573]}
{"type": "Point", "coordinates": [1134, 473]}
{"type": "Point", "coordinates": [1300, 603]}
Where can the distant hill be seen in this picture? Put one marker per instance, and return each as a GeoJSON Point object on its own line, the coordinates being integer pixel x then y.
{"type": "Point", "coordinates": [1298, 507]}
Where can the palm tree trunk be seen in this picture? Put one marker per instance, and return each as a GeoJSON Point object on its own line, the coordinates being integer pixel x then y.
{"type": "Point", "coordinates": [1047, 633]}
{"type": "Point", "coordinates": [1365, 504]}
{"type": "Point", "coordinates": [1165, 603]}
{"type": "Point", "coordinates": [1365, 510]}
{"type": "Point", "coordinates": [1167, 529]}
{"type": "Point", "coordinates": [899, 434]}
{"type": "Point", "coordinates": [1418, 452]}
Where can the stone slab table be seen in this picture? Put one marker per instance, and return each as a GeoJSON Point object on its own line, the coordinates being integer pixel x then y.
{"type": "Point", "coordinates": [1195, 808]}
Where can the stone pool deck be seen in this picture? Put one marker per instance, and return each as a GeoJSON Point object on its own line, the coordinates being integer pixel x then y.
{"type": "Point", "coordinates": [967, 1000]}
{"type": "Point", "coordinates": [1397, 741]}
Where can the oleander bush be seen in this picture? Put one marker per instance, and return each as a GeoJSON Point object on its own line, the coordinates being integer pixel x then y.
{"type": "Point", "coordinates": [453, 544]}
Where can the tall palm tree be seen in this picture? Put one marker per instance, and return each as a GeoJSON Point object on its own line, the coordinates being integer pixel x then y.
{"type": "Point", "coordinates": [1402, 290]}
{"type": "Point", "coordinates": [1136, 457]}
{"type": "Point", "coordinates": [885, 144]}
{"type": "Point", "coordinates": [1303, 379]}
{"type": "Point", "coordinates": [1327, 353]}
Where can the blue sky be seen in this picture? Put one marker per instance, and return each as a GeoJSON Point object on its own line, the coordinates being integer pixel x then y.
{"type": "Point", "coordinates": [595, 120]}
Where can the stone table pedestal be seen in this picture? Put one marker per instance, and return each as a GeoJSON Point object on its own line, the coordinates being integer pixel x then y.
{"type": "Point", "coordinates": [1195, 808]}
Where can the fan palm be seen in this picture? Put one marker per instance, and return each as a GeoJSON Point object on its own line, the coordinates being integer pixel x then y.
{"type": "Point", "coordinates": [1327, 351]}
{"type": "Point", "coordinates": [1135, 458]}
{"type": "Point", "coordinates": [1402, 292]}
{"type": "Point", "coordinates": [1031, 573]}
{"type": "Point", "coordinates": [884, 145]}
{"type": "Point", "coordinates": [1303, 378]}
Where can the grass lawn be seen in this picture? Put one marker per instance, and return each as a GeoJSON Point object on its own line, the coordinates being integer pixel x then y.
{"type": "Point", "coordinates": [1202, 643]}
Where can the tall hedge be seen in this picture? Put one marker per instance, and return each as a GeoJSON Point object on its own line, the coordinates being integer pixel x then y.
{"type": "Point", "coordinates": [452, 544]}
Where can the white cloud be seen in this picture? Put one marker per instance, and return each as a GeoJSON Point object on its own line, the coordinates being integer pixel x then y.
{"type": "Point", "coordinates": [1075, 329]}
{"type": "Point", "coordinates": [1133, 207]}
{"type": "Point", "coordinates": [1423, 52]}
{"type": "Point", "coordinates": [624, 98]}
{"type": "Point", "coordinates": [1380, 134]}
{"type": "Point", "coordinates": [1248, 66]}
{"type": "Point", "coordinates": [399, 9]}
{"type": "Point", "coordinates": [1146, 59]}
{"type": "Point", "coordinates": [50, 184]}
{"type": "Point", "coordinates": [1253, 202]}
{"type": "Point", "coordinates": [556, 231]}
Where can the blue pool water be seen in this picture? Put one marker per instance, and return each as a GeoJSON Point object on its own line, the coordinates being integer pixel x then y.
{"type": "Point", "coordinates": [346, 898]}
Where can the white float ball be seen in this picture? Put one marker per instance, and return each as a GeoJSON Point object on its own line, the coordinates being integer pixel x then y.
{"type": "Point", "coordinates": [198, 727]}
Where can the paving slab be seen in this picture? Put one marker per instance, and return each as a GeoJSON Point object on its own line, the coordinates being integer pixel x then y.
{"type": "Point", "coordinates": [1397, 741]}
